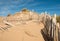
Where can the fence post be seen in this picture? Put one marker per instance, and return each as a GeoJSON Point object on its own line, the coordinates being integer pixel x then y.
{"type": "Point", "coordinates": [55, 29]}
{"type": "Point", "coordinates": [57, 26]}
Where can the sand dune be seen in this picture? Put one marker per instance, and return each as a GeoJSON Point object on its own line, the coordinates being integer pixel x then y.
{"type": "Point", "coordinates": [26, 32]}
{"type": "Point", "coordinates": [24, 29]}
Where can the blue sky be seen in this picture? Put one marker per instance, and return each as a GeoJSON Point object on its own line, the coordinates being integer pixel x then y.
{"type": "Point", "coordinates": [13, 6]}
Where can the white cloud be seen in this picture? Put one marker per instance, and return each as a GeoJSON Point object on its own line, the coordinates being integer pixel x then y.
{"type": "Point", "coordinates": [12, 6]}
{"type": "Point", "coordinates": [22, 3]}
{"type": "Point", "coordinates": [4, 10]}
{"type": "Point", "coordinates": [1, 3]}
{"type": "Point", "coordinates": [4, 13]}
{"type": "Point", "coordinates": [35, 4]}
{"type": "Point", "coordinates": [30, 0]}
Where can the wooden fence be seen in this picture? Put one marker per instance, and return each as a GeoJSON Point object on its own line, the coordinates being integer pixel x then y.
{"type": "Point", "coordinates": [50, 31]}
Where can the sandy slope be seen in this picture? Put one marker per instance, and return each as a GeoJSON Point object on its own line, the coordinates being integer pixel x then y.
{"type": "Point", "coordinates": [23, 32]}
{"type": "Point", "coordinates": [29, 31]}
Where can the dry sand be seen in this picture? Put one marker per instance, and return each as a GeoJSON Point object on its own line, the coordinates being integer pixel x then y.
{"type": "Point", "coordinates": [23, 32]}
{"type": "Point", "coordinates": [31, 31]}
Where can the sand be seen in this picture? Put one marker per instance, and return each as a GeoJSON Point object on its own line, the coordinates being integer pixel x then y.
{"type": "Point", "coordinates": [23, 26]}
{"type": "Point", "coordinates": [23, 32]}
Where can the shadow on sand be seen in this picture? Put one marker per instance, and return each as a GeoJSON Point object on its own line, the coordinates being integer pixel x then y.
{"type": "Point", "coordinates": [45, 36]}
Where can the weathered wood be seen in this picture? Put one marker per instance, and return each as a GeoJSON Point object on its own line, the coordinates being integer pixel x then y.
{"type": "Point", "coordinates": [51, 28]}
